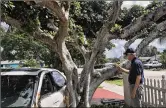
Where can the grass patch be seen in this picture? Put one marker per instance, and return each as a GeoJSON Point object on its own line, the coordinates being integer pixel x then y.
{"type": "Point", "coordinates": [100, 86]}
{"type": "Point", "coordinates": [118, 82]}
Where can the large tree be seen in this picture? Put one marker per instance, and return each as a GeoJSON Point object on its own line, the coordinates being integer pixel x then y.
{"type": "Point", "coordinates": [49, 22]}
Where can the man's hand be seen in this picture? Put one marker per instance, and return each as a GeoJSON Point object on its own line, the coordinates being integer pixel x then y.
{"type": "Point", "coordinates": [117, 66]}
{"type": "Point", "coordinates": [133, 94]}
{"type": "Point", "coordinates": [120, 69]}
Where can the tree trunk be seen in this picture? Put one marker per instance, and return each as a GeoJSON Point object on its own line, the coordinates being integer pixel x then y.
{"type": "Point", "coordinates": [68, 65]}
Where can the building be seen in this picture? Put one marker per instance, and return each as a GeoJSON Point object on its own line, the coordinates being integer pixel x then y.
{"type": "Point", "coordinates": [10, 64]}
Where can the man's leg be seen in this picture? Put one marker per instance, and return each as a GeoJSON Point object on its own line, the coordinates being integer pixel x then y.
{"type": "Point", "coordinates": [137, 101]}
{"type": "Point", "coordinates": [132, 100]}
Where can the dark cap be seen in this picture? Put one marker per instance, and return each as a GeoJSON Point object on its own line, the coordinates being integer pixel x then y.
{"type": "Point", "coordinates": [129, 50]}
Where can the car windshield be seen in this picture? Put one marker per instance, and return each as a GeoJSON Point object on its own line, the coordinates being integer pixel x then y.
{"type": "Point", "coordinates": [17, 91]}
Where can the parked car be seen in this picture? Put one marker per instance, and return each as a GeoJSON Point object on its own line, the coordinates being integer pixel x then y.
{"type": "Point", "coordinates": [153, 64]}
{"type": "Point", "coordinates": [108, 64]}
{"type": "Point", "coordinates": [28, 87]}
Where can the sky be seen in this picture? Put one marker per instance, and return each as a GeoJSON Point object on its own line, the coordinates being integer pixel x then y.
{"type": "Point", "coordinates": [128, 4]}
{"type": "Point", "coordinates": [4, 25]}
{"type": "Point", "coordinates": [118, 50]}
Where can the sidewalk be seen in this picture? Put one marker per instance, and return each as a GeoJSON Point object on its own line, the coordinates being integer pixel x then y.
{"type": "Point", "coordinates": [113, 88]}
{"type": "Point", "coordinates": [106, 94]}
{"type": "Point", "coordinates": [101, 93]}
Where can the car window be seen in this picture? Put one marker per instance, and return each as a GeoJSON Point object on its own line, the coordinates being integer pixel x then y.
{"type": "Point", "coordinates": [46, 86]}
{"type": "Point", "coordinates": [17, 91]}
{"type": "Point", "coordinates": [58, 80]}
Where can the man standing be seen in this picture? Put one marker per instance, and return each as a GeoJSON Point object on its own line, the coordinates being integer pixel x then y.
{"type": "Point", "coordinates": [136, 77]}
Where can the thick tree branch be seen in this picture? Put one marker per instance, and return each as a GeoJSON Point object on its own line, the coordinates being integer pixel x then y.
{"type": "Point", "coordinates": [84, 52]}
{"type": "Point", "coordinates": [159, 31]}
{"type": "Point", "coordinates": [129, 42]}
{"type": "Point", "coordinates": [143, 22]}
{"type": "Point", "coordinates": [103, 34]}
{"type": "Point", "coordinates": [45, 38]}
{"type": "Point", "coordinates": [102, 75]}
{"type": "Point", "coordinates": [102, 39]}
{"type": "Point", "coordinates": [81, 48]}
{"type": "Point", "coordinates": [99, 46]}
{"type": "Point", "coordinates": [55, 8]}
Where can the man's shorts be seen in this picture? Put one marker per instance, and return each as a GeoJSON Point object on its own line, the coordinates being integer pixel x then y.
{"type": "Point", "coordinates": [137, 101]}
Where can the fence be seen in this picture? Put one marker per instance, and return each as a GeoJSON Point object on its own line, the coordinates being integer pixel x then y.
{"type": "Point", "coordinates": [154, 92]}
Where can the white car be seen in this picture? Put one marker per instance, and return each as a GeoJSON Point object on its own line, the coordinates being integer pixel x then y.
{"type": "Point", "coordinates": [153, 64]}
{"type": "Point", "coordinates": [29, 87]}
{"type": "Point", "coordinates": [109, 64]}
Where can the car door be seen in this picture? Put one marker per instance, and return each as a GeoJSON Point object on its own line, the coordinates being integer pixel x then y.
{"type": "Point", "coordinates": [45, 92]}
{"type": "Point", "coordinates": [50, 95]}
{"type": "Point", "coordinates": [59, 85]}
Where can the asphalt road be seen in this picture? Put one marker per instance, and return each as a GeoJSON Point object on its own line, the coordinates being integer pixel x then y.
{"type": "Point", "coordinates": [154, 74]}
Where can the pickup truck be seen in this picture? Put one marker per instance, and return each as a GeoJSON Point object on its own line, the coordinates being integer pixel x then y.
{"type": "Point", "coordinates": [153, 64]}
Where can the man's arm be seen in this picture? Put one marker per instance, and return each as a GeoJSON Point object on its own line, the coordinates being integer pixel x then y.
{"type": "Point", "coordinates": [138, 79]}
{"type": "Point", "coordinates": [122, 69]}
{"type": "Point", "coordinates": [137, 83]}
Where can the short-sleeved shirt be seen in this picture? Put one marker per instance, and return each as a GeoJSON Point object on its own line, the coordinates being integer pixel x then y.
{"type": "Point", "coordinates": [135, 70]}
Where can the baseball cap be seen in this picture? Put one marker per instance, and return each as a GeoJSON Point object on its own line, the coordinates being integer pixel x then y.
{"type": "Point", "coordinates": [129, 50]}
